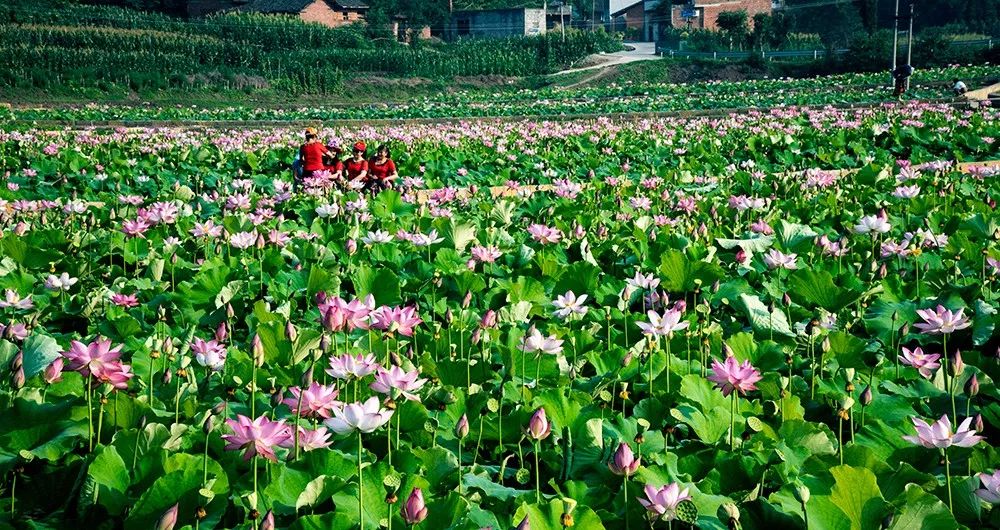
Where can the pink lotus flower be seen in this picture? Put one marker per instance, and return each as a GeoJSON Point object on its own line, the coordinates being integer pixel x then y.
{"type": "Point", "coordinates": [396, 382]}
{"type": "Point", "coordinates": [941, 321]}
{"type": "Point", "coordinates": [209, 354]}
{"type": "Point", "coordinates": [535, 342]}
{"type": "Point", "coordinates": [309, 439]}
{"type": "Point", "coordinates": [243, 240]}
{"type": "Point", "coordinates": [731, 375]}
{"type": "Point", "coordinates": [665, 325]}
{"type": "Point", "coordinates": [62, 282]}
{"type": "Point", "coordinates": [939, 434]}
{"type": "Point", "coordinates": [124, 300]}
{"type": "Point", "coordinates": [414, 510]}
{"type": "Point", "coordinates": [53, 372]}
{"type": "Point", "coordinates": [400, 320]}
{"type": "Point", "coordinates": [990, 491]}
{"type": "Point", "coordinates": [544, 234]}
{"type": "Point", "coordinates": [349, 366]}
{"type": "Point", "coordinates": [570, 304]}
{"type": "Point", "coordinates": [624, 461]}
{"type": "Point", "coordinates": [208, 230]}
{"type": "Point", "coordinates": [113, 373]}
{"type": "Point", "coordinates": [90, 358]}
{"type": "Point", "coordinates": [485, 254]}
{"type": "Point", "coordinates": [364, 417]}
{"type": "Point", "coordinates": [662, 502]}
{"type": "Point", "coordinates": [539, 427]}
{"type": "Point", "coordinates": [135, 228]}
{"type": "Point", "coordinates": [317, 401]}
{"type": "Point", "coordinates": [924, 363]}
{"type": "Point", "coordinates": [775, 259]}
{"type": "Point", "coordinates": [256, 437]}
{"type": "Point", "coordinates": [14, 300]}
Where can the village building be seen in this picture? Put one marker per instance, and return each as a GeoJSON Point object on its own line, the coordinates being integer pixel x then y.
{"type": "Point", "coordinates": [496, 23]}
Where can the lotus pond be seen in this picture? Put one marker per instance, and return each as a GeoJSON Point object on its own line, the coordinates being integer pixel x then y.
{"type": "Point", "coordinates": [780, 319]}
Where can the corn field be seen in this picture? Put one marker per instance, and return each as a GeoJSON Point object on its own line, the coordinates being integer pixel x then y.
{"type": "Point", "coordinates": [104, 47]}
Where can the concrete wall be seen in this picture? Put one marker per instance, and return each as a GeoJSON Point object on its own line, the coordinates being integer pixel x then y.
{"type": "Point", "coordinates": [633, 18]}
{"type": "Point", "coordinates": [496, 23]}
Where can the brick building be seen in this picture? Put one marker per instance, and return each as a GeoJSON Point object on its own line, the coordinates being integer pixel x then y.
{"type": "Point", "coordinates": [629, 17]}
{"type": "Point", "coordinates": [703, 14]}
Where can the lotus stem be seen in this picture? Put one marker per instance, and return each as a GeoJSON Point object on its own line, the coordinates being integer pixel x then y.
{"type": "Point", "coordinates": [538, 475]}
{"type": "Point", "coordinates": [90, 417]}
{"type": "Point", "coordinates": [732, 422]}
{"type": "Point", "coordinates": [625, 499]}
{"type": "Point", "coordinates": [947, 478]}
{"type": "Point", "coordinates": [460, 466]}
{"type": "Point", "coordinates": [361, 485]}
{"type": "Point", "coordinates": [256, 499]}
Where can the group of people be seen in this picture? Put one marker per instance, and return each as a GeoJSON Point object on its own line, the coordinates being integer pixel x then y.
{"type": "Point", "coordinates": [371, 175]}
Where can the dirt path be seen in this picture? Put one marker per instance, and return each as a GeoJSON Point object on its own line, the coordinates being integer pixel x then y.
{"type": "Point", "coordinates": [641, 51]}
{"type": "Point", "coordinates": [982, 94]}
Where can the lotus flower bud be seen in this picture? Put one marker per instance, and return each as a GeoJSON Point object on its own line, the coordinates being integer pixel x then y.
{"type": "Point", "coordinates": [477, 335]}
{"type": "Point", "coordinates": [978, 423]}
{"type": "Point", "coordinates": [579, 232]}
{"type": "Point", "coordinates": [972, 386]}
{"type": "Point", "coordinates": [257, 347]}
{"type": "Point", "coordinates": [268, 522]}
{"type": "Point", "coordinates": [524, 524]}
{"type": "Point", "coordinates": [802, 492]}
{"type": "Point", "coordinates": [53, 372]}
{"type": "Point", "coordinates": [489, 319]}
{"type": "Point", "coordinates": [467, 300]}
{"type": "Point", "coordinates": [351, 246]}
{"type": "Point", "coordinates": [624, 462]}
{"type": "Point", "coordinates": [260, 242]}
{"type": "Point", "coordinates": [168, 376]}
{"type": "Point", "coordinates": [957, 365]}
{"type": "Point", "coordinates": [414, 510]}
{"type": "Point", "coordinates": [324, 343]}
{"type": "Point", "coordinates": [726, 350]}
{"type": "Point", "coordinates": [230, 312]}
{"type": "Point", "coordinates": [208, 425]}
{"type": "Point", "coordinates": [290, 331]}
{"type": "Point", "coordinates": [731, 513]}
{"type": "Point", "coordinates": [221, 332]}
{"type": "Point", "coordinates": [219, 408]}
{"type": "Point", "coordinates": [539, 427]}
{"type": "Point", "coordinates": [169, 519]}
{"type": "Point", "coordinates": [866, 396]}
{"type": "Point", "coordinates": [462, 427]}
{"type": "Point", "coordinates": [741, 257]}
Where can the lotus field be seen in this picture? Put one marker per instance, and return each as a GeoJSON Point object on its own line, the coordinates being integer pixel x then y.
{"type": "Point", "coordinates": [780, 319]}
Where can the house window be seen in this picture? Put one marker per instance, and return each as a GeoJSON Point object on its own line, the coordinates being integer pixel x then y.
{"type": "Point", "coordinates": [347, 15]}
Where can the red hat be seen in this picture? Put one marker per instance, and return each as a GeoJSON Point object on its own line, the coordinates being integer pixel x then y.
{"type": "Point", "coordinates": [360, 146]}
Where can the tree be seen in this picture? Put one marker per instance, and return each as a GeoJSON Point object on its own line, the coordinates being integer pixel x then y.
{"type": "Point", "coordinates": [735, 26]}
{"type": "Point", "coordinates": [763, 30]}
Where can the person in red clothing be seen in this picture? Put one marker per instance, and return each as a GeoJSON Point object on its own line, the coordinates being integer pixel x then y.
{"type": "Point", "coordinates": [310, 156]}
{"type": "Point", "coordinates": [381, 171]}
{"type": "Point", "coordinates": [356, 168]}
{"type": "Point", "coordinates": [333, 163]}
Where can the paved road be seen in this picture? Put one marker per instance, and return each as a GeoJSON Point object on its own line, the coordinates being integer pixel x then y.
{"type": "Point", "coordinates": [641, 51]}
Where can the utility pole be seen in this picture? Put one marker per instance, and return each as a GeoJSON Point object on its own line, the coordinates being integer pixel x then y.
{"type": "Point", "coordinates": [593, 11]}
{"type": "Point", "coordinates": [909, 44]}
{"type": "Point", "coordinates": [895, 36]}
